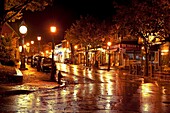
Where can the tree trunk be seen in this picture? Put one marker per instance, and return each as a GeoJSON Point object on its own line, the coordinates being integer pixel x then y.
{"type": "Point", "coordinates": [87, 50]}
{"type": "Point", "coordinates": [72, 53]}
{"type": "Point", "coordinates": [146, 65]}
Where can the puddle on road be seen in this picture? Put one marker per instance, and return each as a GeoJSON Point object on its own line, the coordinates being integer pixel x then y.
{"type": "Point", "coordinates": [103, 94]}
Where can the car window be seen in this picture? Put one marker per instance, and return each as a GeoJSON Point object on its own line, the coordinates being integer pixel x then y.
{"type": "Point", "coordinates": [47, 60]}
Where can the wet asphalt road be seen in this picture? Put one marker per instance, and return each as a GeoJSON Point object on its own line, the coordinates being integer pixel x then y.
{"type": "Point", "coordinates": [93, 91]}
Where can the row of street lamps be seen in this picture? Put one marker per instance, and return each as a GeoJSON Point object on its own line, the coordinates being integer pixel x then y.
{"type": "Point", "coordinates": [53, 69]}
{"type": "Point", "coordinates": [23, 32]}
{"type": "Point", "coordinates": [53, 29]}
{"type": "Point", "coordinates": [32, 42]}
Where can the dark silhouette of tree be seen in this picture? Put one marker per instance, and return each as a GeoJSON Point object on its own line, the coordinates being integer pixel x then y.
{"type": "Point", "coordinates": [6, 49]}
{"type": "Point", "coordinates": [10, 10]}
{"type": "Point", "coordinates": [142, 18]}
{"type": "Point", "coordinates": [87, 31]}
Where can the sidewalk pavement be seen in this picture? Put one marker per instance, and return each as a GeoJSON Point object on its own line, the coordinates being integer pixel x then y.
{"type": "Point", "coordinates": [32, 81]}
{"type": "Point", "coordinates": [159, 76]}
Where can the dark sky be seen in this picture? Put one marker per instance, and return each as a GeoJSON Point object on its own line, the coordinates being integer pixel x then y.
{"type": "Point", "coordinates": [63, 13]}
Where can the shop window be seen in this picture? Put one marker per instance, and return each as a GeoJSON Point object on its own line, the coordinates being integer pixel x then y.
{"type": "Point", "coordinates": [131, 56]}
{"type": "Point", "coordinates": [137, 57]}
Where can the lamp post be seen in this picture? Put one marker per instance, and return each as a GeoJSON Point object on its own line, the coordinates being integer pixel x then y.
{"type": "Point", "coordinates": [39, 39]}
{"type": "Point", "coordinates": [28, 48]}
{"type": "Point", "coordinates": [53, 30]}
{"type": "Point", "coordinates": [32, 53]}
{"type": "Point", "coordinates": [23, 31]}
{"type": "Point", "coordinates": [38, 63]}
{"type": "Point", "coordinates": [32, 48]}
{"type": "Point", "coordinates": [109, 44]}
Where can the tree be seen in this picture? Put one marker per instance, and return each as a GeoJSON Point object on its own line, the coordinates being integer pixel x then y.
{"type": "Point", "coordinates": [139, 18]}
{"type": "Point", "coordinates": [6, 49]}
{"type": "Point", "coordinates": [87, 31]}
{"type": "Point", "coordinates": [10, 10]}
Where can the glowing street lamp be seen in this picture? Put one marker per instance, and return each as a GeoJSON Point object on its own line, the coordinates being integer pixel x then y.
{"type": "Point", "coordinates": [39, 39]}
{"type": "Point", "coordinates": [38, 63]}
{"type": "Point", "coordinates": [109, 44]}
{"type": "Point", "coordinates": [20, 49]}
{"type": "Point", "coordinates": [23, 32]}
{"type": "Point", "coordinates": [28, 44]}
{"type": "Point", "coordinates": [46, 53]}
{"type": "Point", "coordinates": [23, 28]}
{"type": "Point", "coordinates": [75, 47]}
{"type": "Point", "coordinates": [53, 30]}
{"type": "Point", "coordinates": [32, 53]}
{"type": "Point", "coordinates": [32, 42]}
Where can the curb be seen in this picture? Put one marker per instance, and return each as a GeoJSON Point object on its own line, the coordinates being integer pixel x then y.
{"type": "Point", "coordinates": [16, 78]}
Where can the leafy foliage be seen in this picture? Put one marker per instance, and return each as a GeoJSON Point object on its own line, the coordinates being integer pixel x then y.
{"type": "Point", "coordinates": [13, 9]}
{"type": "Point", "coordinates": [87, 31]}
{"type": "Point", "coordinates": [142, 17]}
{"type": "Point", "coordinates": [6, 71]}
{"type": "Point", "coordinates": [6, 49]}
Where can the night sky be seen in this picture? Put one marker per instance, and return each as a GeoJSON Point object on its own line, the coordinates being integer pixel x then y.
{"type": "Point", "coordinates": [63, 13]}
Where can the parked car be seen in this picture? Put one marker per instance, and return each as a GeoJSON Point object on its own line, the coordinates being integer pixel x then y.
{"type": "Point", "coordinates": [46, 64]}
{"type": "Point", "coordinates": [35, 60]}
{"type": "Point", "coordinates": [29, 59]}
{"type": "Point", "coordinates": [68, 61]}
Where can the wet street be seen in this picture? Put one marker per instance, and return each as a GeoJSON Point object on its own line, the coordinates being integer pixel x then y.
{"type": "Point", "coordinates": [91, 91]}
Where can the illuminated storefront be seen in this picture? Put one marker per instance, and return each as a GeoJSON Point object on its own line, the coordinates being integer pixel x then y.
{"type": "Point", "coordinates": [123, 54]}
{"type": "Point", "coordinates": [165, 55]}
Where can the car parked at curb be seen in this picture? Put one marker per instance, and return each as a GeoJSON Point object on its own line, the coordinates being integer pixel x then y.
{"type": "Point", "coordinates": [36, 58]}
{"type": "Point", "coordinates": [46, 64]}
{"type": "Point", "coordinates": [29, 59]}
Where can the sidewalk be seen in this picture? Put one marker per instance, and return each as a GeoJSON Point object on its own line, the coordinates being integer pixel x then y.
{"type": "Point", "coordinates": [160, 76]}
{"type": "Point", "coordinates": [32, 81]}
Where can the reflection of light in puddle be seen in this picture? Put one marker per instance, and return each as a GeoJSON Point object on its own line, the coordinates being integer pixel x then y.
{"type": "Point", "coordinates": [148, 96]}
{"type": "Point", "coordinates": [101, 79]}
{"type": "Point", "coordinates": [146, 89]}
{"type": "Point", "coordinates": [91, 88]}
{"type": "Point", "coordinates": [108, 106]}
{"type": "Point", "coordinates": [102, 87]}
{"type": "Point", "coordinates": [75, 71]}
{"type": "Point", "coordinates": [163, 90]}
{"type": "Point", "coordinates": [75, 94]}
{"type": "Point", "coordinates": [109, 88]}
{"type": "Point", "coordinates": [90, 76]}
{"type": "Point", "coordinates": [64, 92]}
{"type": "Point", "coordinates": [109, 78]}
{"type": "Point", "coordinates": [145, 107]}
{"type": "Point", "coordinates": [75, 79]}
{"type": "Point", "coordinates": [25, 100]}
